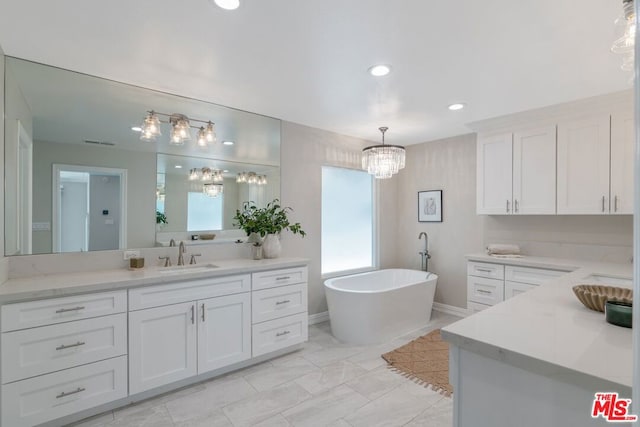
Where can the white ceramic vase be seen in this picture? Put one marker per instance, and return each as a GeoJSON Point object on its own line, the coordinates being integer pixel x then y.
{"type": "Point", "coordinates": [254, 238]}
{"type": "Point", "coordinates": [271, 246]}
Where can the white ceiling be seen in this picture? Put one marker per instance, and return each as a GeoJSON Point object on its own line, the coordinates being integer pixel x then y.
{"type": "Point", "coordinates": [306, 60]}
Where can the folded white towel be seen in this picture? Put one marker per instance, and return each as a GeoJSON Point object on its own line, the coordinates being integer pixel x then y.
{"type": "Point", "coordinates": [503, 249]}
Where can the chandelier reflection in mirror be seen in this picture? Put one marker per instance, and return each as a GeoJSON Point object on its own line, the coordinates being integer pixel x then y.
{"type": "Point", "coordinates": [212, 179]}
{"type": "Point", "coordinates": [251, 178]}
{"type": "Point", "coordinates": [625, 34]}
{"type": "Point", "coordinates": [383, 160]}
{"type": "Point", "coordinates": [180, 129]}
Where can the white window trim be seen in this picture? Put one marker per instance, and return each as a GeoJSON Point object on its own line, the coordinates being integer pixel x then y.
{"type": "Point", "coordinates": [375, 220]}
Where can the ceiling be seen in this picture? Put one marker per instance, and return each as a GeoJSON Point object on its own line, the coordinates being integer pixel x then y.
{"type": "Point", "coordinates": [306, 61]}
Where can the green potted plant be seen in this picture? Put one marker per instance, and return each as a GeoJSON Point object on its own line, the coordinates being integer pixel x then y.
{"type": "Point", "coordinates": [161, 219]}
{"type": "Point", "coordinates": [267, 222]}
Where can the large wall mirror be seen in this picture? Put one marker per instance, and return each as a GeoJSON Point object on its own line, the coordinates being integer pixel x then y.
{"type": "Point", "coordinates": [78, 177]}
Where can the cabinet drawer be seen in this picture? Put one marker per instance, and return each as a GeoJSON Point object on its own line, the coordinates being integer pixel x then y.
{"type": "Point", "coordinates": [485, 291]}
{"type": "Point", "coordinates": [280, 333]}
{"type": "Point", "coordinates": [511, 289]}
{"type": "Point", "coordinates": [57, 310]}
{"type": "Point", "coordinates": [474, 307]}
{"type": "Point", "coordinates": [192, 290]}
{"type": "Point", "coordinates": [485, 269]}
{"type": "Point", "coordinates": [273, 278]}
{"type": "Point", "coordinates": [47, 397]}
{"type": "Point", "coordinates": [273, 303]}
{"type": "Point", "coordinates": [532, 276]}
{"type": "Point", "coordinates": [52, 348]}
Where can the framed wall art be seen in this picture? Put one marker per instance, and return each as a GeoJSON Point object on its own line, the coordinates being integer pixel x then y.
{"type": "Point", "coordinates": [430, 206]}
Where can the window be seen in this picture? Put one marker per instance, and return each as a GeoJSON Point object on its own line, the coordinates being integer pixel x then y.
{"type": "Point", "coordinates": [204, 212]}
{"type": "Point", "coordinates": [347, 220]}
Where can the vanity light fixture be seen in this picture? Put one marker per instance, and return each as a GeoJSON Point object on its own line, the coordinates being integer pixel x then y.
{"type": "Point", "coordinates": [205, 174]}
{"type": "Point", "coordinates": [180, 129]}
{"type": "Point", "coordinates": [383, 160]}
{"type": "Point", "coordinates": [227, 4]}
{"type": "Point", "coordinates": [625, 34]}
{"type": "Point", "coordinates": [457, 106]}
{"type": "Point", "coordinates": [251, 178]}
{"type": "Point", "coordinates": [379, 70]}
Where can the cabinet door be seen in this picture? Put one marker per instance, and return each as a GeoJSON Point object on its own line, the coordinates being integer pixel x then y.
{"type": "Point", "coordinates": [622, 142]}
{"type": "Point", "coordinates": [534, 171]}
{"type": "Point", "coordinates": [511, 289]}
{"type": "Point", "coordinates": [224, 331]}
{"type": "Point", "coordinates": [494, 174]}
{"type": "Point", "coordinates": [162, 346]}
{"type": "Point", "coordinates": [583, 166]}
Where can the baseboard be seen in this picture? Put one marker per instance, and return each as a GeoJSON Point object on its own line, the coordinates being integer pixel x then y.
{"type": "Point", "coordinates": [450, 309]}
{"type": "Point", "coordinates": [318, 317]}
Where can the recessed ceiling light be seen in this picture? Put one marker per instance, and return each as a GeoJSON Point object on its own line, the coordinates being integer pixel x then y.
{"type": "Point", "coordinates": [380, 70]}
{"type": "Point", "coordinates": [456, 107]}
{"type": "Point", "coordinates": [136, 128]}
{"type": "Point", "coordinates": [178, 166]}
{"type": "Point", "coordinates": [228, 4]}
{"type": "Point", "coordinates": [225, 171]}
{"type": "Point", "coordinates": [228, 142]}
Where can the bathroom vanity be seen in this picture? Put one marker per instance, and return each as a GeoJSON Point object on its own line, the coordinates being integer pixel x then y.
{"type": "Point", "coordinates": [540, 354]}
{"type": "Point", "coordinates": [74, 345]}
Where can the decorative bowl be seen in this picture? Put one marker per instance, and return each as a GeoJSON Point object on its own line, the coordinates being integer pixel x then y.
{"type": "Point", "coordinates": [207, 236]}
{"type": "Point", "coordinates": [595, 296]}
{"type": "Point", "coordinates": [618, 313]}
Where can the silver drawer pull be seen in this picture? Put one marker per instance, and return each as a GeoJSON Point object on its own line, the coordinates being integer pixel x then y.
{"type": "Point", "coordinates": [280, 334]}
{"type": "Point", "coordinates": [64, 347]}
{"type": "Point", "coordinates": [485, 270]}
{"type": "Point", "coordinates": [283, 302]}
{"type": "Point", "coordinates": [482, 291]}
{"type": "Point", "coordinates": [66, 310]}
{"type": "Point", "coordinates": [283, 278]}
{"type": "Point", "coordinates": [65, 394]}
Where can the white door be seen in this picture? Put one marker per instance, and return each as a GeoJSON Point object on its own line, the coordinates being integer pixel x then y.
{"type": "Point", "coordinates": [162, 346]}
{"type": "Point", "coordinates": [583, 166]}
{"type": "Point", "coordinates": [224, 331]}
{"type": "Point", "coordinates": [494, 174]}
{"type": "Point", "coordinates": [622, 137]}
{"type": "Point", "coordinates": [534, 171]}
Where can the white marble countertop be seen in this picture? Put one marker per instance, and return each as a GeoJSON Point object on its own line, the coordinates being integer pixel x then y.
{"type": "Point", "coordinates": [56, 285]}
{"type": "Point", "coordinates": [531, 261]}
{"type": "Point", "coordinates": [548, 331]}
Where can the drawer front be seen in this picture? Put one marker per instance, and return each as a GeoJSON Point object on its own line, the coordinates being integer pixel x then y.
{"type": "Point", "coordinates": [273, 278]}
{"type": "Point", "coordinates": [532, 276]}
{"type": "Point", "coordinates": [280, 333]}
{"type": "Point", "coordinates": [485, 291]}
{"type": "Point", "coordinates": [52, 348]}
{"type": "Point", "coordinates": [474, 307]}
{"type": "Point", "coordinates": [47, 397]}
{"type": "Point", "coordinates": [485, 269]}
{"type": "Point", "coordinates": [268, 304]}
{"type": "Point", "coordinates": [192, 290]}
{"type": "Point", "coordinates": [57, 310]}
{"type": "Point", "coordinates": [511, 289]}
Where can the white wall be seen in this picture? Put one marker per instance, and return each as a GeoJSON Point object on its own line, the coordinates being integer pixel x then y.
{"type": "Point", "coordinates": [303, 152]}
{"type": "Point", "coordinates": [4, 263]}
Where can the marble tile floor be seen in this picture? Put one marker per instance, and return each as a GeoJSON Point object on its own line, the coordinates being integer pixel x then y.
{"type": "Point", "coordinates": [326, 383]}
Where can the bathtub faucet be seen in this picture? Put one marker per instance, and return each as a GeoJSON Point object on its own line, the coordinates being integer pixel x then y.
{"type": "Point", "coordinates": [424, 255]}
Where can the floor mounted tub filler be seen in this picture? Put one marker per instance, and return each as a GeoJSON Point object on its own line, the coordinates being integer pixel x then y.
{"type": "Point", "coordinates": [377, 306]}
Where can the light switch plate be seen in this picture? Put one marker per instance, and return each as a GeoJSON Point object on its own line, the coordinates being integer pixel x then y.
{"type": "Point", "coordinates": [128, 254]}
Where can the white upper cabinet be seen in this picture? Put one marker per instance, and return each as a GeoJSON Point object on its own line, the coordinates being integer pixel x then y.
{"type": "Point", "coordinates": [622, 142]}
{"type": "Point", "coordinates": [534, 171]}
{"type": "Point", "coordinates": [495, 174]}
{"type": "Point", "coordinates": [583, 165]}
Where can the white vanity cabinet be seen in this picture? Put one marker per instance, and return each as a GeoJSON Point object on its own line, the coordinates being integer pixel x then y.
{"type": "Point", "coordinates": [490, 283]}
{"type": "Point", "coordinates": [61, 356]}
{"type": "Point", "coordinates": [172, 342]}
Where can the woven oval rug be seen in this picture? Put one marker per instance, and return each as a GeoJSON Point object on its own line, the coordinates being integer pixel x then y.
{"type": "Point", "coordinates": [424, 360]}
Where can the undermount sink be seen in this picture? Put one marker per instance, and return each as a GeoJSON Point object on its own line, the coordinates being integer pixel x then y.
{"type": "Point", "coordinates": [187, 269]}
{"type": "Point", "coordinates": [609, 280]}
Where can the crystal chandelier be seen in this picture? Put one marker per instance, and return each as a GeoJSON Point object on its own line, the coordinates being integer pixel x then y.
{"type": "Point", "coordinates": [625, 34]}
{"type": "Point", "coordinates": [383, 160]}
{"type": "Point", "coordinates": [213, 189]}
{"type": "Point", "coordinates": [180, 129]}
{"type": "Point", "coordinates": [205, 174]}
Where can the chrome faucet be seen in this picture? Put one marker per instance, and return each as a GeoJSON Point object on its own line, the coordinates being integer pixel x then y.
{"type": "Point", "coordinates": [425, 257]}
{"type": "Point", "coordinates": [181, 251]}
{"type": "Point", "coordinates": [172, 243]}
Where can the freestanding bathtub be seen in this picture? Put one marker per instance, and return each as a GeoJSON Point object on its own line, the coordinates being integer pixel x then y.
{"type": "Point", "coordinates": [375, 307]}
